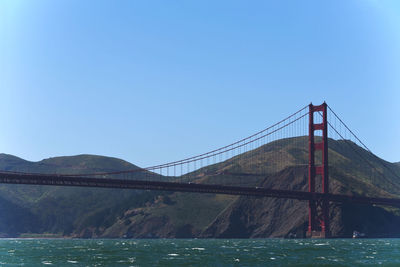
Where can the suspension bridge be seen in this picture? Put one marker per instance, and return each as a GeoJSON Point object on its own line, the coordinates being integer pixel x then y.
{"type": "Point", "coordinates": [303, 141]}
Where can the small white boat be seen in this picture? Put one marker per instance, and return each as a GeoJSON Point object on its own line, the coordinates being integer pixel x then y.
{"type": "Point", "coordinates": [357, 234]}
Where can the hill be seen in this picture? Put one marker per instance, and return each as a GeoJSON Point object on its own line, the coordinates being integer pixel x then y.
{"type": "Point", "coordinates": [62, 210]}
{"type": "Point", "coordinates": [193, 215]}
{"type": "Point", "coordinates": [85, 212]}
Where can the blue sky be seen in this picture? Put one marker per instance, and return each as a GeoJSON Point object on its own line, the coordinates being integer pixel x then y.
{"type": "Point", "coordinates": [155, 81]}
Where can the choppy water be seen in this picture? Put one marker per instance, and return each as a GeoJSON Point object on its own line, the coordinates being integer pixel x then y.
{"type": "Point", "coordinates": [200, 252]}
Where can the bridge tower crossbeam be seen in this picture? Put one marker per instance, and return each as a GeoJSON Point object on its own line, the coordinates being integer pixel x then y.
{"type": "Point", "coordinates": [318, 209]}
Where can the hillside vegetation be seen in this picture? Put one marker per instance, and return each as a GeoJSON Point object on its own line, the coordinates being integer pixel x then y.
{"type": "Point", "coordinates": [92, 212]}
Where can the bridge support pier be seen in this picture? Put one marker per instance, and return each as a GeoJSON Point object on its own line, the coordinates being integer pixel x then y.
{"type": "Point", "coordinates": [318, 209]}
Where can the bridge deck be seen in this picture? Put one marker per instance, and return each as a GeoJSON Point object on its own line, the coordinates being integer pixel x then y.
{"type": "Point", "coordinates": [61, 180]}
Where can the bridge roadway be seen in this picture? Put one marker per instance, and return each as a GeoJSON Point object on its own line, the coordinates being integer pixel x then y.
{"type": "Point", "coordinates": [64, 180]}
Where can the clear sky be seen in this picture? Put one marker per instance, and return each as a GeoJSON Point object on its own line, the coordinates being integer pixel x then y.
{"type": "Point", "coordinates": [155, 81]}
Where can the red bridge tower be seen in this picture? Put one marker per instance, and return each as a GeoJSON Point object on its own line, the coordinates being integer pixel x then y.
{"type": "Point", "coordinates": [318, 214]}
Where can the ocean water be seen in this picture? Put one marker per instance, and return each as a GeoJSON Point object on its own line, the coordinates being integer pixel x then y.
{"type": "Point", "coordinates": [200, 252]}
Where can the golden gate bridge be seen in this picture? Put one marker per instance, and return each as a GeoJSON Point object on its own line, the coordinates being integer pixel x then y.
{"type": "Point", "coordinates": [312, 134]}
